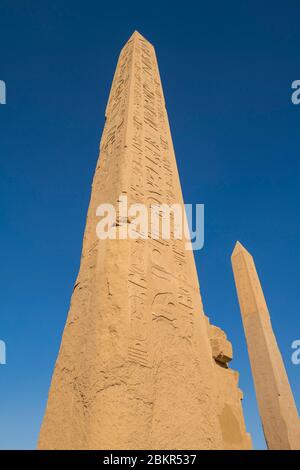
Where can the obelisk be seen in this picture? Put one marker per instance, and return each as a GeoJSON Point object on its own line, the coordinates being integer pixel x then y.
{"type": "Point", "coordinates": [276, 403]}
{"type": "Point", "coordinates": [136, 368]}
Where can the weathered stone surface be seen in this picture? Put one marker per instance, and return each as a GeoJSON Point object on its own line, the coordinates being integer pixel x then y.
{"type": "Point", "coordinates": [275, 399]}
{"type": "Point", "coordinates": [135, 369]}
{"type": "Point", "coordinates": [221, 347]}
{"type": "Point", "coordinates": [229, 397]}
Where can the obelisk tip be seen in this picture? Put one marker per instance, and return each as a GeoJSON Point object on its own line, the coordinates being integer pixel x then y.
{"type": "Point", "coordinates": [238, 249]}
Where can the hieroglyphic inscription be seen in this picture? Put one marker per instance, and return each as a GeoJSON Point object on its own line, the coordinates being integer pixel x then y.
{"type": "Point", "coordinates": [162, 263]}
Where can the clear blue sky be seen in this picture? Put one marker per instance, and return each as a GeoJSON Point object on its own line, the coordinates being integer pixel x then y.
{"type": "Point", "coordinates": [227, 69]}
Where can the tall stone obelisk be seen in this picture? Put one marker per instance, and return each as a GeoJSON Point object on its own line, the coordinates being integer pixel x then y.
{"type": "Point", "coordinates": [140, 367]}
{"type": "Point", "coordinates": [276, 403]}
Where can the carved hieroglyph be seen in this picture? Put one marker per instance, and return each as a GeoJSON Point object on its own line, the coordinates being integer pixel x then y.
{"type": "Point", "coordinates": [136, 369]}
{"type": "Point", "coordinates": [275, 399]}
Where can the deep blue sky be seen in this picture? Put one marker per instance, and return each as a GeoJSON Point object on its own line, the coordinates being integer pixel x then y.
{"type": "Point", "coordinates": [227, 69]}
